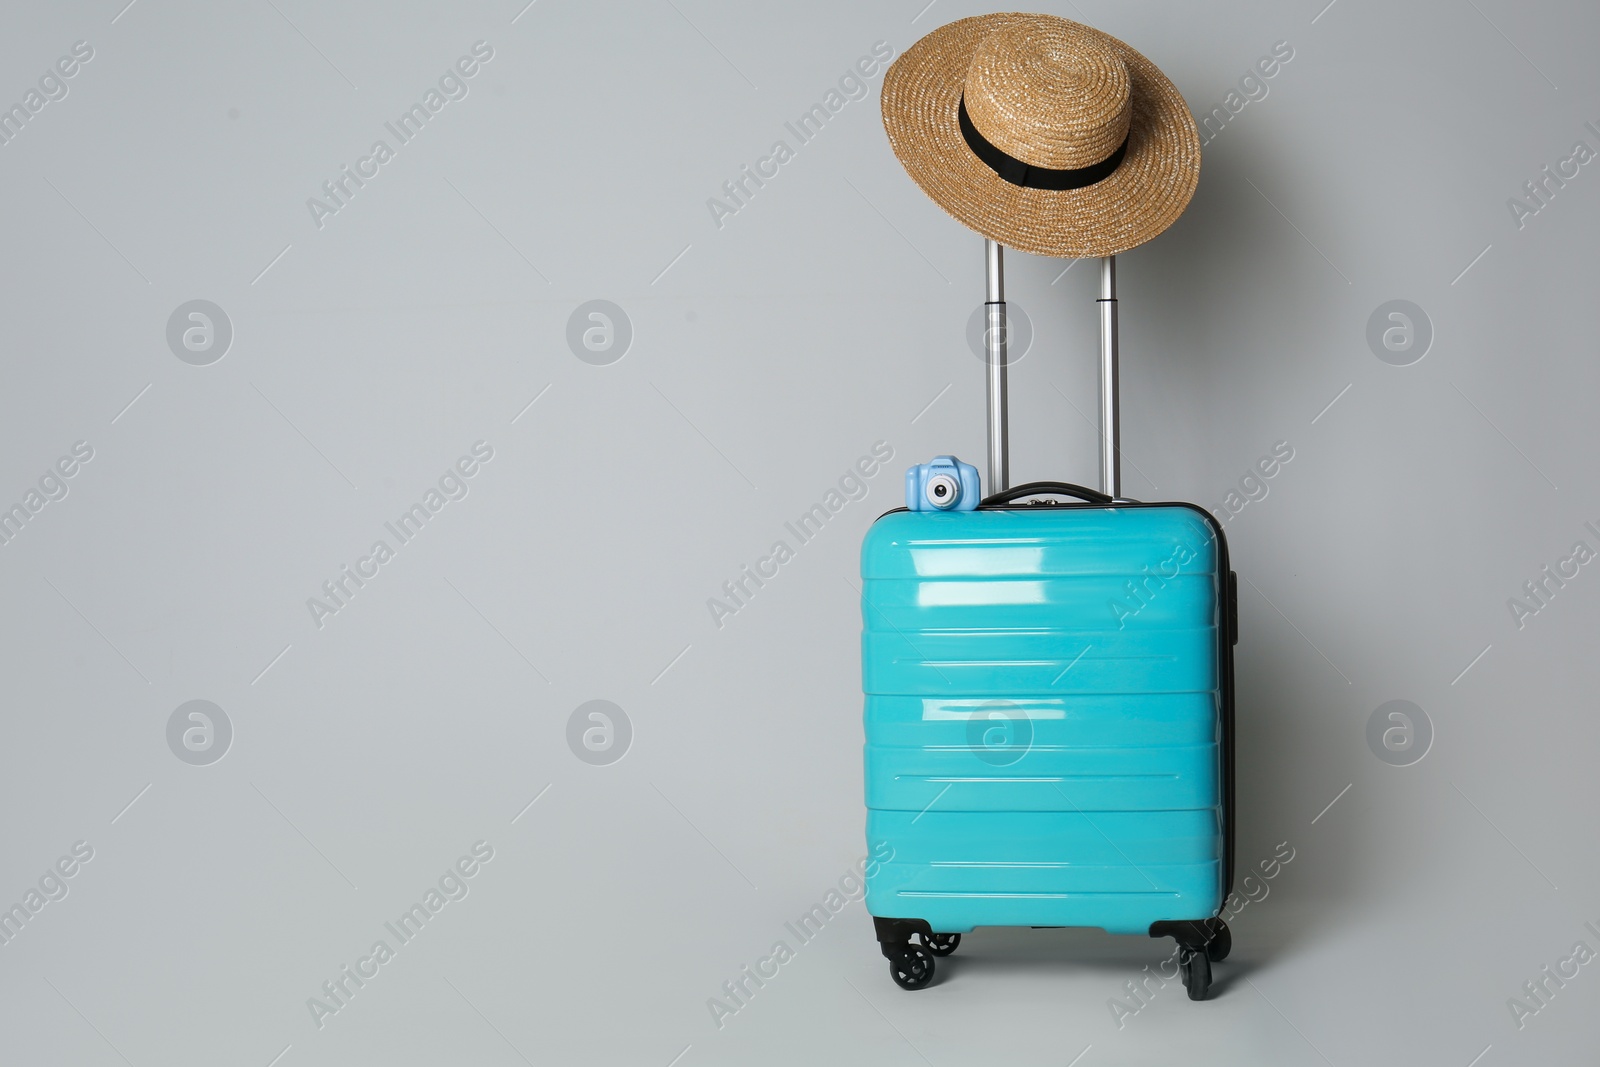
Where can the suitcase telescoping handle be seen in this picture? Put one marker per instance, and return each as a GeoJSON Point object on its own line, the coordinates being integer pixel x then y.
{"type": "Point", "coordinates": [995, 356]}
{"type": "Point", "coordinates": [1110, 423]}
{"type": "Point", "coordinates": [994, 336]}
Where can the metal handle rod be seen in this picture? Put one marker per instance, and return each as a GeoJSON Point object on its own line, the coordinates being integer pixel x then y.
{"type": "Point", "coordinates": [1110, 432]}
{"type": "Point", "coordinates": [994, 336]}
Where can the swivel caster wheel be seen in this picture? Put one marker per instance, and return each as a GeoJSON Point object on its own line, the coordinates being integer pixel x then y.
{"type": "Point", "coordinates": [942, 944]}
{"type": "Point", "coordinates": [911, 966]}
{"type": "Point", "coordinates": [1196, 970]}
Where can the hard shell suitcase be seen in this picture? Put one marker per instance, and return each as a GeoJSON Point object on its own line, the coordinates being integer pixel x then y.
{"type": "Point", "coordinates": [1049, 707]}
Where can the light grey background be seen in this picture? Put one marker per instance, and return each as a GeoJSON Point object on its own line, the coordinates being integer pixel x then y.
{"type": "Point", "coordinates": [767, 355]}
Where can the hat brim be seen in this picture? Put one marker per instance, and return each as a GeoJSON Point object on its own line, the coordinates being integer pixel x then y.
{"type": "Point", "coordinates": [1140, 199]}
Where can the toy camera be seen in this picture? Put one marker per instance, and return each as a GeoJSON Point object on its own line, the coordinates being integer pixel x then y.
{"type": "Point", "coordinates": [946, 484]}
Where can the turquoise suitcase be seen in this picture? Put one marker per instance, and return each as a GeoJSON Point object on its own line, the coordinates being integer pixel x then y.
{"type": "Point", "coordinates": [1049, 722]}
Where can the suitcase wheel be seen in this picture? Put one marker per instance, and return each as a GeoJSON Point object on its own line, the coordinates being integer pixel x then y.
{"type": "Point", "coordinates": [1195, 967]}
{"type": "Point", "coordinates": [911, 966]}
{"type": "Point", "coordinates": [942, 944]}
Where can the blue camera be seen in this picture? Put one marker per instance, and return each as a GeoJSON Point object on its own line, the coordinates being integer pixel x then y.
{"type": "Point", "coordinates": [946, 484]}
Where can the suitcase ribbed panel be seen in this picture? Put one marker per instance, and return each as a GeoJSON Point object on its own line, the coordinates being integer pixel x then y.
{"type": "Point", "coordinates": [1042, 717]}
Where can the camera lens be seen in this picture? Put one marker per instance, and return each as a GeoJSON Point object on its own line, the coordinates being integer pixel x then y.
{"type": "Point", "coordinates": [942, 491]}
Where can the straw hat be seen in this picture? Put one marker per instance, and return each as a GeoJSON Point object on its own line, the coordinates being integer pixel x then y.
{"type": "Point", "coordinates": [1043, 134]}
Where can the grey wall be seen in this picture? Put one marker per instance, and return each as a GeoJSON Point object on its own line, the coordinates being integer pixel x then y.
{"type": "Point", "coordinates": [368, 750]}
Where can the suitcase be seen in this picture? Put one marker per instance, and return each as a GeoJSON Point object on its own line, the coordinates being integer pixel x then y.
{"type": "Point", "coordinates": [1049, 706]}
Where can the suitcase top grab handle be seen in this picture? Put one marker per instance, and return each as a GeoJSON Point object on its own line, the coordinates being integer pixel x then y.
{"type": "Point", "coordinates": [1007, 496]}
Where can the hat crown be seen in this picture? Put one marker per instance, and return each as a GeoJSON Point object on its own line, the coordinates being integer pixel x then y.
{"type": "Point", "coordinates": [1048, 93]}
